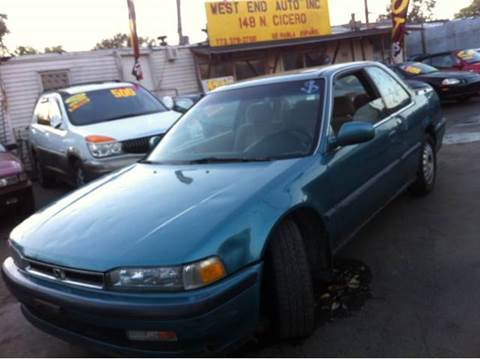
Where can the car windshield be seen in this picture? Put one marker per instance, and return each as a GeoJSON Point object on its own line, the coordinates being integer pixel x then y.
{"type": "Point", "coordinates": [2, 149]}
{"type": "Point", "coordinates": [417, 68]}
{"type": "Point", "coordinates": [87, 108]}
{"type": "Point", "coordinates": [469, 56]}
{"type": "Point", "coordinates": [259, 123]}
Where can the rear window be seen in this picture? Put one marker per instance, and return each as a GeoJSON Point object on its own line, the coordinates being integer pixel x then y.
{"type": "Point", "coordinates": [87, 108]}
{"type": "Point", "coordinates": [469, 56]}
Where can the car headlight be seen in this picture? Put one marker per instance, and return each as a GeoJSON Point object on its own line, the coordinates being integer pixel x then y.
{"type": "Point", "coordinates": [173, 279]}
{"type": "Point", "coordinates": [101, 146]}
{"type": "Point", "coordinates": [450, 82]}
{"type": "Point", "coordinates": [17, 257]}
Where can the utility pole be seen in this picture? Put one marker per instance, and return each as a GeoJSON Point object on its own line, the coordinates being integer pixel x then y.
{"type": "Point", "coordinates": [367, 14]}
{"type": "Point", "coordinates": [179, 20]}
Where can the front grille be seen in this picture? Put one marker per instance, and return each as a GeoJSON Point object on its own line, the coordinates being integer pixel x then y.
{"type": "Point", "coordinates": [65, 275]}
{"type": "Point", "coordinates": [138, 145]}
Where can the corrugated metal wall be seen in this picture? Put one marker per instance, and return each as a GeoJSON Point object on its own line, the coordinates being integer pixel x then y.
{"type": "Point", "coordinates": [178, 74]}
{"type": "Point", "coordinates": [23, 85]}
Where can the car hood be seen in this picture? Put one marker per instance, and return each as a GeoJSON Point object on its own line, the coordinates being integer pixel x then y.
{"type": "Point", "coordinates": [452, 74]}
{"type": "Point", "coordinates": [148, 215]}
{"type": "Point", "coordinates": [132, 127]}
{"type": "Point", "coordinates": [9, 165]}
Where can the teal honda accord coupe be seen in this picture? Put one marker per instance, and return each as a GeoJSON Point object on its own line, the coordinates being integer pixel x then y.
{"type": "Point", "coordinates": [233, 217]}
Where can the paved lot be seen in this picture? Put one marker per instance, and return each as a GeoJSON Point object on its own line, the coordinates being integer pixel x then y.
{"type": "Point", "coordinates": [424, 255]}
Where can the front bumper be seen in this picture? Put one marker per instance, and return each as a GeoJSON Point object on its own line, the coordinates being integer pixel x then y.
{"type": "Point", "coordinates": [16, 195]}
{"type": "Point", "coordinates": [206, 321]}
{"type": "Point", "coordinates": [98, 168]}
{"type": "Point", "coordinates": [465, 90]}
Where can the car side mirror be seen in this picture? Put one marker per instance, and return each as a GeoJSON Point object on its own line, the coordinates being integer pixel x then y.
{"type": "Point", "coordinates": [182, 105]}
{"type": "Point", "coordinates": [153, 142]}
{"type": "Point", "coordinates": [169, 102]}
{"type": "Point", "coordinates": [55, 121]}
{"type": "Point", "coordinates": [352, 133]}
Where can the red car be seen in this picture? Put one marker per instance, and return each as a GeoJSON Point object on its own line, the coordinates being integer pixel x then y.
{"type": "Point", "coordinates": [16, 192]}
{"type": "Point", "coordinates": [461, 60]}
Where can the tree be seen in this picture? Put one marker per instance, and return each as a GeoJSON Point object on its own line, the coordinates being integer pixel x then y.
{"type": "Point", "coordinates": [470, 11]}
{"type": "Point", "coordinates": [419, 12]}
{"type": "Point", "coordinates": [119, 41]}
{"type": "Point", "coordinates": [54, 49]}
{"type": "Point", "coordinates": [25, 50]}
{"type": "Point", "coordinates": [3, 31]}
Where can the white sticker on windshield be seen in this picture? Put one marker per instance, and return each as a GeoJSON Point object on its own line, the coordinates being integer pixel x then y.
{"type": "Point", "coordinates": [310, 87]}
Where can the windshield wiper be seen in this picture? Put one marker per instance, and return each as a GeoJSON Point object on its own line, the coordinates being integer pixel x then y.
{"type": "Point", "coordinates": [207, 160]}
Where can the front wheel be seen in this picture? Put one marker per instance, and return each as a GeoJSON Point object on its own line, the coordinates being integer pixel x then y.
{"type": "Point", "coordinates": [427, 172]}
{"type": "Point", "coordinates": [291, 283]}
{"type": "Point", "coordinates": [79, 175]}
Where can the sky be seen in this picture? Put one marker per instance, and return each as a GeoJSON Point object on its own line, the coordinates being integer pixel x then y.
{"type": "Point", "coordinates": [79, 24]}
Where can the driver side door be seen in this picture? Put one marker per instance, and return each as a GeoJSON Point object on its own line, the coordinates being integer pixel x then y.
{"type": "Point", "coordinates": [361, 176]}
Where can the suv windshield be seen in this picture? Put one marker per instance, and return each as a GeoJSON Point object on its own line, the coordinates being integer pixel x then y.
{"type": "Point", "coordinates": [469, 56]}
{"type": "Point", "coordinates": [417, 68]}
{"type": "Point", "coordinates": [258, 123]}
{"type": "Point", "coordinates": [92, 107]}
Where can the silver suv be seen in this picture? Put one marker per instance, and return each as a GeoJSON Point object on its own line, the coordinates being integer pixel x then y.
{"type": "Point", "coordinates": [82, 132]}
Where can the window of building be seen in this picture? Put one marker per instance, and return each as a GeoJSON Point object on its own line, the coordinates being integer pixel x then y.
{"type": "Point", "coordinates": [53, 80]}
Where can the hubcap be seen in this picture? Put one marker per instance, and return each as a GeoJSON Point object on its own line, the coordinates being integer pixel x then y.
{"type": "Point", "coordinates": [428, 162]}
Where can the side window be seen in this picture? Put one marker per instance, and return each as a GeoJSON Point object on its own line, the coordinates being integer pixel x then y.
{"type": "Point", "coordinates": [355, 100]}
{"type": "Point", "coordinates": [394, 95]}
{"type": "Point", "coordinates": [41, 114]}
{"type": "Point", "coordinates": [444, 61]}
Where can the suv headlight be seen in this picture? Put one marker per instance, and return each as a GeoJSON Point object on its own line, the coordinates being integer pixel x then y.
{"type": "Point", "coordinates": [449, 82]}
{"type": "Point", "coordinates": [173, 279]}
{"type": "Point", "coordinates": [101, 146]}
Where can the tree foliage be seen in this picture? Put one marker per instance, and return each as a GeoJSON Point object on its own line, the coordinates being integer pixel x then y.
{"type": "Point", "coordinates": [3, 31]}
{"type": "Point", "coordinates": [419, 12]}
{"type": "Point", "coordinates": [25, 50]}
{"type": "Point", "coordinates": [54, 49]}
{"type": "Point", "coordinates": [470, 11]}
{"type": "Point", "coordinates": [119, 41]}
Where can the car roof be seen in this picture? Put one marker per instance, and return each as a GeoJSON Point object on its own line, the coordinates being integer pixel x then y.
{"type": "Point", "coordinates": [75, 89]}
{"type": "Point", "coordinates": [295, 75]}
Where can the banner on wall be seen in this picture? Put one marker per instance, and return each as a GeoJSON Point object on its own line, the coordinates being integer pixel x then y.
{"type": "Point", "coordinates": [137, 68]}
{"type": "Point", "coordinates": [237, 22]}
{"type": "Point", "coordinates": [399, 19]}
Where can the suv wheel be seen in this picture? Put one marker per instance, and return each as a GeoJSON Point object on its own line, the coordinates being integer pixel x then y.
{"type": "Point", "coordinates": [427, 172]}
{"type": "Point", "coordinates": [79, 176]}
{"type": "Point", "coordinates": [291, 283]}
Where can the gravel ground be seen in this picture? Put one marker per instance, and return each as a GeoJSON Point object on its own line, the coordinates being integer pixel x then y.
{"type": "Point", "coordinates": [423, 256]}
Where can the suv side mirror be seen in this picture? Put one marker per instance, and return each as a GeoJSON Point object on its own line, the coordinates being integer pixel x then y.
{"type": "Point", "coordinates": [352, 133]}
{"type": "Point", "coordinates": [169, 102]}
{"type": "Point", "coordinates": [153, 142]}
{"type": "Point", "coordinates": [55, 121]}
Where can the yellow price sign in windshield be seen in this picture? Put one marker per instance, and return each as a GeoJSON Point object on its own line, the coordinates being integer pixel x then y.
{"type": "Point", "coordinates": [123, 92]}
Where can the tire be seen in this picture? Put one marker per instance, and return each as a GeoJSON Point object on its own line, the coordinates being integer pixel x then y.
{"type": "Point", "coordinates": [79, 175]}
{"type": "Point", "coordinates": [291, 283]}
{"type": "Point", "coordinates": [43, 178]}
{"type": "Point", "coordinates": [427, 172]}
